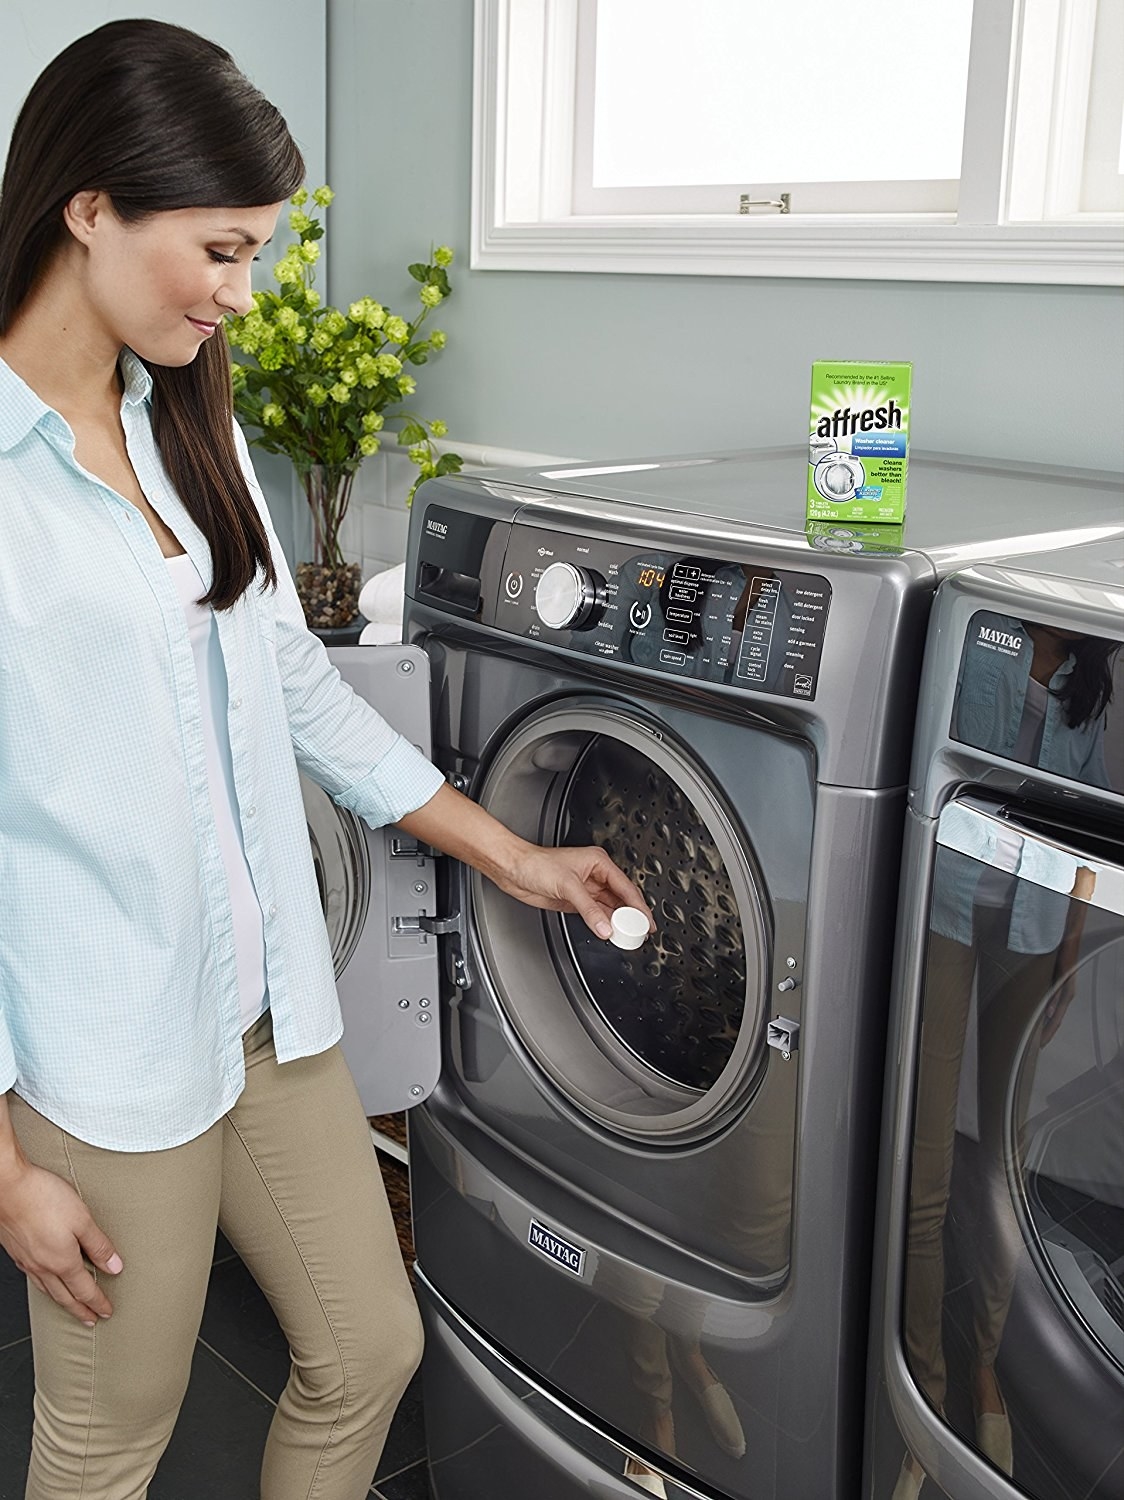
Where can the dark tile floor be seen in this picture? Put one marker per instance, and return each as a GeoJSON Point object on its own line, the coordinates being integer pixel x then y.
{"type": "Point", "coordinates": [241, 1365]}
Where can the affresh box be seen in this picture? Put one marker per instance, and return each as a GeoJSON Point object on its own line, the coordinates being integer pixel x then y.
{"type": "Point", "coordinates": [858, 441]}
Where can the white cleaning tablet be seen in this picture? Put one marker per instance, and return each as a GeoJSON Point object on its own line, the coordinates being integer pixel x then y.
{"type": "Point", "coordinates": [630, 927]}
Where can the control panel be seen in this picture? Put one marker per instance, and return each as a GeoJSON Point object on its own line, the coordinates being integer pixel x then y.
{"type": "Point", "coordinates": [744, 624]}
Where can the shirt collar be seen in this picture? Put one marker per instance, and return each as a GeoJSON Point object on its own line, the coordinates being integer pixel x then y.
{"type": "Point", "coordinates": [21, 409]}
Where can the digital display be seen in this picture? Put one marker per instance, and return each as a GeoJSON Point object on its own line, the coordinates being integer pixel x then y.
{"type": "Point", "coordinates": [744, 624]}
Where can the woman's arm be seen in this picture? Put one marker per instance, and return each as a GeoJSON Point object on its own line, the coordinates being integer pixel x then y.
{"type": "Point", "coordinates": [583, 880]}
{"type": "Point", "coordinates": [46, 1228]}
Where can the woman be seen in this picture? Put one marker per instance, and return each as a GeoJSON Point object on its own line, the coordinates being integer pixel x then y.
{"type": "Point", "coordinates": [168, 1020]}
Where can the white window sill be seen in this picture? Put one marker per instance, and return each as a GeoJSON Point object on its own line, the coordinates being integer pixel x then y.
{"type": "Point", "coordinates": [919, 248]}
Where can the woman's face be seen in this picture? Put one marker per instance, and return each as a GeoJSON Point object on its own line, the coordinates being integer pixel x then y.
{"type": "Point", "coordinates": [164, 285]}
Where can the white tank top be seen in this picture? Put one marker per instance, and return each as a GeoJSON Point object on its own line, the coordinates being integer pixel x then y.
{"type": "Point", "coordinates": [249, 933]}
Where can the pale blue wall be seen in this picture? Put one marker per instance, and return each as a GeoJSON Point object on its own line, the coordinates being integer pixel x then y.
{"type": "Point", "coordinates": [600, 365]}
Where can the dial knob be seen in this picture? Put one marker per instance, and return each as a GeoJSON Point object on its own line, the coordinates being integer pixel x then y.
{"type": "Point", "coordinates": [565, 595]}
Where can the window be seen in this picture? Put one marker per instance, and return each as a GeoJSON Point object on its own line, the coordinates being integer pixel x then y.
{"type": "Point", "coordinates": [863, 116]}
{"type": "Point", "coordinates": [855, 138]}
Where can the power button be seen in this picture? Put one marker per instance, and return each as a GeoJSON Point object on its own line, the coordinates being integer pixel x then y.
{"type": "Point", "coordinates": [640, 614]}
{"type": "Point", "coordinates": [513, 585]}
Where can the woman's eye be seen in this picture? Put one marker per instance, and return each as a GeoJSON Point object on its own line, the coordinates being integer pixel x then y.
{"type": "Point", "coordinates": [225, 260]}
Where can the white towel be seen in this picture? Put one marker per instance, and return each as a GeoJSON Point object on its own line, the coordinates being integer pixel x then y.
{"type": "Point", "coordinates": [382, 597]}
{"type": "Point", "coordinates": [380, 633]}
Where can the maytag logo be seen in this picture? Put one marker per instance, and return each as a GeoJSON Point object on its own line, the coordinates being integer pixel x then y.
{"type": "Point", "coordinates": [546, 1242]}
{"type": "Point", "coordinates": [1000, 638]}
{"type": "Point", "coordinates": [436, 528]}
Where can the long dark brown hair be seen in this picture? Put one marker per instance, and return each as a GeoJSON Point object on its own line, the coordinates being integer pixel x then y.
{"type": "Point", "coordinates": [1087, 691]}
{"type": "Point", "coordinates": [158, 118]}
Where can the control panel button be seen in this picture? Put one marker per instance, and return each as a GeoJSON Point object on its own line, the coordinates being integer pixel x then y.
{"type": "Point", "coordinates": [680, 637]}
{"type": "Point", "coordinates": [640, 614]}
{"type": "Point", "coordinates": [513, 585]}
{"type": "Point", "coordinates": [564, 596]}
{"type": "Point", "coordinates": [673, 658]}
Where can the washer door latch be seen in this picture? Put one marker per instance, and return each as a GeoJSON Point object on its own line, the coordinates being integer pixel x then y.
{"type": "Point", "coordinates": [784, 1035]}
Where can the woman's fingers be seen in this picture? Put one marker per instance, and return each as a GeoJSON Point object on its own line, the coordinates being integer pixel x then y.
{"type": "Point", "coordinates": [585, 903]}
{"type": "Point", "coordinates": [98, 1249]}
{"type": "Point", "coordinates": [78, 1307]}
{"type": "Point", "coordinates": [47, 1230]}
{"type": "Point", "coordinates": [599, 886]}
{"type": "Point", "coordinates": [622, 887]}
{"type": "Point", "coordinates": [585, 881]}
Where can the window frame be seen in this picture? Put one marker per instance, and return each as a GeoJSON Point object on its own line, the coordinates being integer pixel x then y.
{"type": "Point", "coordinates": [524, 83]}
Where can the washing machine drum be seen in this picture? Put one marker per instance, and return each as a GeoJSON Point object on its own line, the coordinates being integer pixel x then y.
{"type": "Point", "coordinates": [664, 1040]}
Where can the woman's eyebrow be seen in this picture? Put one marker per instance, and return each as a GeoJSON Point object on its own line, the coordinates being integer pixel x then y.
{"type": "Point", "coordinates": [245, 234]}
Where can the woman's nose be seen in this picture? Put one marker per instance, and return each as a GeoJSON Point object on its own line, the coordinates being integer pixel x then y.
{"type": "Point", "coordinates": [235, 294]}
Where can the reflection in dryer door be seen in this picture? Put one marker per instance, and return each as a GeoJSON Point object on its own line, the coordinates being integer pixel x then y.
{"type": "Point", "coordinates": [1014, 1286]}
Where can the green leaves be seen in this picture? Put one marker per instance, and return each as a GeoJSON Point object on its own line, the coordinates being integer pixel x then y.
{"type": "Point", "coordinates": [314, 383]}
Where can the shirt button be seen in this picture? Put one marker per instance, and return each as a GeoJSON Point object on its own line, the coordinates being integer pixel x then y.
{"type": "Point", "coordinates": [272, 908]}
{"type": "Point", "coordinates": [250, 811]}
{"type": "Point", "coordinates": [236, 703]}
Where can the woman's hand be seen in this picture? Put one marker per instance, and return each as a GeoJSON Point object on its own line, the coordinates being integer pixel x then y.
{"type": "Point", "coordinates": [585, 881]}
{"type": "Point", "coordinates": [46, 1228]}
{"type": "Point", "coordinates": [582, 880]}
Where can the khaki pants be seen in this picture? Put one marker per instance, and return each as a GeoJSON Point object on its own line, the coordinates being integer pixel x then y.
{"type": "Point", "coordinates": [292, 1178]}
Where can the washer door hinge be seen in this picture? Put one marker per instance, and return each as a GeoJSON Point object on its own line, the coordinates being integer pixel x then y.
{"type": "Point", "coordinates": [440, 926]}
{"type": "Point", "coordinates": [784, 1035]}
{"type": "Point", "coordinates": [449, 928]}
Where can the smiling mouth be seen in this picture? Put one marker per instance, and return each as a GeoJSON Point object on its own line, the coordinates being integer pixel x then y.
{"type": "Point", "coordinates": [203, 327]}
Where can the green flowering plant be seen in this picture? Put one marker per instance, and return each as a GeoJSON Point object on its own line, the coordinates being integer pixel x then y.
{"type": "Point", "coordinates": [320, 383]}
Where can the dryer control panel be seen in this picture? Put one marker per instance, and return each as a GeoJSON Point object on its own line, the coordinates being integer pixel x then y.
{"type": "Point", "coordinates": [744, 624]}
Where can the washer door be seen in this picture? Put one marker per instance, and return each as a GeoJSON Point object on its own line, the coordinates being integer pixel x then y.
{"type": "Point", "coordinates": [377, 888]}
{"type": "Point", "coordinates": [663, 1041]}
{"type": "Point", "coordinates": [343, 869]}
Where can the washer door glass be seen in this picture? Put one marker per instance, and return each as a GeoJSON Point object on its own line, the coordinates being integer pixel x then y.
{"type": "Point", "coordinates": [664, 1040]}
{"type": "Point", "coordinates": [339, 857]}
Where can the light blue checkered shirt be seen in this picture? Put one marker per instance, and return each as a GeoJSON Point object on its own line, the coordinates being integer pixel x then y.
{"type": "Point", "coordinates": [119, 1005]}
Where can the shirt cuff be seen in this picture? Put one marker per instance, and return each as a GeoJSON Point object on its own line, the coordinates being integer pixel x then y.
{"type": "Point", "coordinates": [403, 781]}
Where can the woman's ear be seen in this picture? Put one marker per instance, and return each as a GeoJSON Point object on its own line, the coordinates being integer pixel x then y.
{"type": "Point", "coordinates": [82, 213]}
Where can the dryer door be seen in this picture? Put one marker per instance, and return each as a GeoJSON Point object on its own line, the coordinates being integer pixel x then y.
{"type": "Point", "coordinates": [376, 886]}
{"type": "Point", "coordinates": [1013, 1309]}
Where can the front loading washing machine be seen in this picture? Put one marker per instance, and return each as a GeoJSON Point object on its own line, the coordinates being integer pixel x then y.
{"type": "Point", "coordinates": [997, 1351]}
{"type": "Point", "coordinates": [643, 1186]}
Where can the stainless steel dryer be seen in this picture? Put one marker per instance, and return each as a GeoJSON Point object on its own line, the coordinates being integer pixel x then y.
{"type": "Point", "coordinates": [644, 1185]}
{"type": "Point", "coordinates": [998, 1342]}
